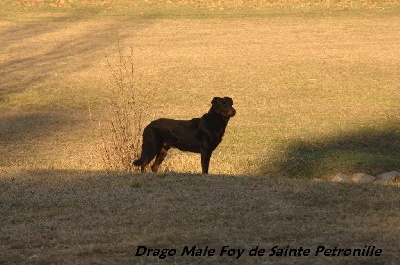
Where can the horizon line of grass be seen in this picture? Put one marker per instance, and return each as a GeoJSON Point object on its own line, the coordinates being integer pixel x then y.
{"type": "Point", "coordinates": [59, 10]}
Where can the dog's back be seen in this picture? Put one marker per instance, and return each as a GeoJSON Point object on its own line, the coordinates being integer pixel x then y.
{"type": "Point", "coordinates": [181, 134]}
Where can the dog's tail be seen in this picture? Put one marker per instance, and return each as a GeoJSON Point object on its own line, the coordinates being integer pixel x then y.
{"type": "Point", "coordinates": [138, 162]}
{"type": "Point", "coordinates": [149, 147]}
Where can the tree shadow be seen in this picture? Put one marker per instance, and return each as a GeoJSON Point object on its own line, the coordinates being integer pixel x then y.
{"type": "Point", "coordinates": [36, 52]}
{"type": "Point", "coordinates": [44, 55]}
{"type": "Point", "coordinates": [22, 135]}
{"type": "Point", "coordinates": [370, 151]}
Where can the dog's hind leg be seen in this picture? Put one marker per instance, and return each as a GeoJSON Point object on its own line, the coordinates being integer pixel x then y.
{"type": "Point", "coordinates": [160, 158]}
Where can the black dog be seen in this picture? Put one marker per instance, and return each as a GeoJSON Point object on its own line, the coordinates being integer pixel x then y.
{"type": "Point", "coordinates": [199, 135]}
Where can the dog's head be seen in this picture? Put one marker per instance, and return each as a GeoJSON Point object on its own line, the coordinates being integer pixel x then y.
{"type": "Point", "coordinates": [223, 106]}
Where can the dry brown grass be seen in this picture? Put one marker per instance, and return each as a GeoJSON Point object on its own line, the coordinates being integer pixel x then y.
{"type": "Point", "coordinates": [76, 217]}
{"type": "Point", "coordinates": [211, 5]}
{"type": "Point", "coordinates": [292, 78]}
{"type": "Point", "coordinates": [314, 94]}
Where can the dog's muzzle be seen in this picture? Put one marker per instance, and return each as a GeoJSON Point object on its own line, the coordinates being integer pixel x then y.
{"type": "Point", "coordinates": [229, 113]}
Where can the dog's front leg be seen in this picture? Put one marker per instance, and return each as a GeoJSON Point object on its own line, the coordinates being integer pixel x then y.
{"type": "Point", "coordinates": [205, 160]}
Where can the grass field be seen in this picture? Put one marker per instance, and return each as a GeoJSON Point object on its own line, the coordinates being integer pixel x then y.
{"type": "Point", "coordinates": [315, 86]}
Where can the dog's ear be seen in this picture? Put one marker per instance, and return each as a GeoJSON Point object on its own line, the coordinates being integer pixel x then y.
{"type": "Point", "coordinates": [215, 100]}
{"type": "Point", "coordinates": [230, 100]}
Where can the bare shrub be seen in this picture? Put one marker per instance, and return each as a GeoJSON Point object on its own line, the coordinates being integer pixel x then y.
{"type": "Point", "coordinates": [128, 108]}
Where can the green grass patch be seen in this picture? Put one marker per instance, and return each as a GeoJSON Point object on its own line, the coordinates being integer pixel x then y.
{"type": "Point", "coordinates": [136, 185]}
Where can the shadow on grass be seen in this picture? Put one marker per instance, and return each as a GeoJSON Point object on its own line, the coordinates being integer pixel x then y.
{"type": "Point", "coordinates": [41, 52]}
{"type": "Point", "coordinates": [23, 135]}
{"type": "Point", "coordinates": [49, 216]}
{"type": "Point", "coordinates": [370, 151]}
{"type": "Point", "coordinates": [44, 59]}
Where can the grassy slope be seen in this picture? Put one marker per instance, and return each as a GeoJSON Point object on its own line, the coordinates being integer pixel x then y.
{"type": "Point", "coordinates": [81, 217]}
{"type": "Point", "coordinates": [299, 83]}
{"type": "Point", "coordinates": [316, 91]}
